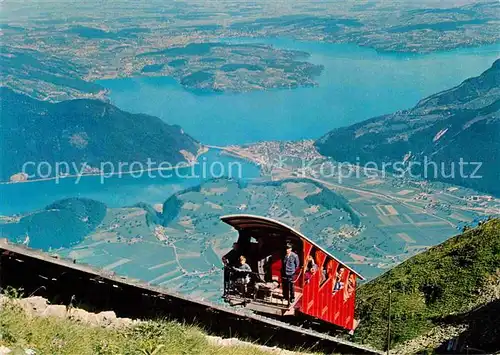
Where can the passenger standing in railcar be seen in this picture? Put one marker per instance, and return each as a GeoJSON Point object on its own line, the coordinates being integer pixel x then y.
{"type": "Point", "coordinates": [290, 265]}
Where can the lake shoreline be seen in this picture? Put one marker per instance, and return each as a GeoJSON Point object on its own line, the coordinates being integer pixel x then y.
{"type": "Point", "coordinates": [203, 149]}
{"type": "Point", "coordinates": [357, 83]}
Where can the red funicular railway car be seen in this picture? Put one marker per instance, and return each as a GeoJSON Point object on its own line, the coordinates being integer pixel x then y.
{"type": "Point", "coordinates": [325, 287]}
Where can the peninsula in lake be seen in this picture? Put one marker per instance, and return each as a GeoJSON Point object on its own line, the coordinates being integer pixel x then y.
{"type": "Point", "coordinates": [198, 67]}
{"type": "Point", "coordinates": [190, 42]}
{"type": "Point", "coordinates": [231, 67]}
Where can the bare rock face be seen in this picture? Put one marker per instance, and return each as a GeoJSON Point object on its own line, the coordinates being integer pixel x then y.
{"type": "Point", "coordinates": [79, 315]}
{"type": "Point", "coordinates": [55, 310]}
{"type": "Point", "coordinates": [3, 349]}
{"type": "Point", "coordinates": [34, 305]}
{"type": "Point", "coordinates": [218, 341]}
{"type": "Point", "coordinates": [430, 340]}
{"type": "Point", "coordinates": [105, 319]}
{"type": "Point", "coordinates": [39, 307]}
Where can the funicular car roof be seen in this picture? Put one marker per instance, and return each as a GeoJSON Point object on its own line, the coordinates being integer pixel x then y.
{"type": "Point", "coordinates": [247, 221]}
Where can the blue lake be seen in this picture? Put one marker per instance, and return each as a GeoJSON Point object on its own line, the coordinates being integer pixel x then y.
{"type": "Point", "coordinates": [357, 83]}
{"type": "Point", "coordinates": [121, 191]}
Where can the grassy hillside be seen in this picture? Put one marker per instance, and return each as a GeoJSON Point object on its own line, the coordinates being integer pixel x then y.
{"type": "Point", "coordinates": [442, 285]}
{"type": "Point", "coordinates": [49, 335]}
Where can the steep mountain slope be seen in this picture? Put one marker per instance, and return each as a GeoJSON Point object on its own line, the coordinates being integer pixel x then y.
{"type": "Point", "coordinates": [450, 286]}
{"type": "Point", "coordinates": [460, 123]}
{"type": "Point", "coordinates": [79, 131]}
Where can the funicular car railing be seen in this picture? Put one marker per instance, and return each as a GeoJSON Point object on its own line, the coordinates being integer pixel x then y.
{"type": "Point", "coordinates": [251, 285]}
{"type": "Point", "coordinates": [237, 282]}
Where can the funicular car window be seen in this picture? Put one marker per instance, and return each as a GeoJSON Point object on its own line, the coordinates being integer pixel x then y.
{"type": "Point", "coordinates": [325, 271]}
{"type": "Point", "coordinates": [339, 278]}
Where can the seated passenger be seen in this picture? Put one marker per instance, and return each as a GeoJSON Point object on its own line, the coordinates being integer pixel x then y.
{"type": "Point", "coordinates": [339, 285]}
{"type": "Point", "coordinates": [243, 271]}
{"type": "Point", "coordinates": [310, 268]}
{"type": "Point", "coordinates": [324, 274]}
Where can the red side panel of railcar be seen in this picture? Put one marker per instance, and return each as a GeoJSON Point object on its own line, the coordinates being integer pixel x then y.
{"type": "Point", "coordinates": [318, 297]}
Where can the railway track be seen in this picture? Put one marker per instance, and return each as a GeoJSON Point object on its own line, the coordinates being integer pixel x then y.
{"type": "Point", "coordinates": [63, 281]}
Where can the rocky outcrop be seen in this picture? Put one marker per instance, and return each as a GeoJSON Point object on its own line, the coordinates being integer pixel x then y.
{"type": "Point", "coordinates": [431, 340]}
{"type": "Point", "coordinates": [39, 307]}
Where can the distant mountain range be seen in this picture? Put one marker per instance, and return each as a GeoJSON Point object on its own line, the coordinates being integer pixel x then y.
{"type": "Point", "coordinates": [83, 131]}
{"type": "Point", "coordinates": [459, 123]}
{"type": "Point", "coordinates": [450, 292]}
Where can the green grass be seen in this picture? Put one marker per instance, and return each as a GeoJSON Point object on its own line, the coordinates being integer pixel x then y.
{"type": "Point", "coordinates": [452, 278]}
{"type": "Point", "coordinates": [47, 335]}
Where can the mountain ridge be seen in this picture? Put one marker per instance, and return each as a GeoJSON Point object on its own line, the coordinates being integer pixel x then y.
{"type": "Point", "coordinates": [439, 128]}
{"type": "Point", "coordinates": [83, 131]}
